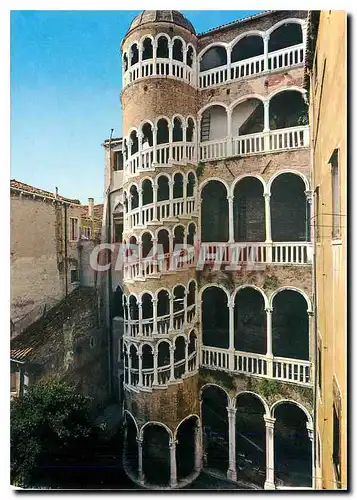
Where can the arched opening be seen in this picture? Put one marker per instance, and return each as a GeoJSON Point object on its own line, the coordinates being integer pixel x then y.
{"type": "Point", "coordinates": [179, 357]}
{"type": "Point", "coordinates": [250, 321]}
{"type": "Point", "coordinates": [162, 131]}
{"type": "Point", "coordinates": [134, 197]}
{"type": "Point", "coordinates": [179, 235]}
{"type": "Point", "coordinates": [247, 47]}
{"type": "Point", "coordinates": [191, 296]}
{"type": "Point", "coordinates": [156, 455]}
{"type": "Point", "coordinates": [147, 49]}
{"type": "Point", "coordinates": [125, 307]}
{"type": "Point", "coordinates": [248, 118]}
{"type": "Point", "coordinates": [178, 186]}
{"type": "Point", "coordinates": [146, 136]}
{"type": "Point", "coordinates": [163, 190]}
{"type": "Point", "coordinates": [214, 212]}
{"type": "Point", "coordinates": [249, 210]}
{"type": "Point", "coordinates": [290, 325]}
{"type": "Point", "coordinates": [147, 308]}
{"type": "Point", "coordinates": [190, 130]}
{"type": "Point", "coordinates": [134, 54]}
{"type": "Point", "coordinates": [146, 244]}
{"type": "Point", "coordinates": [177, 131]}
{"type": "Point", "coordinates": [215, 428]}
{"type": "Point", "coordinates": [148, 358]}
{"type": "Point", "coordinates": [125, 62]}
{"type": "Point", "coordinates": [214, 123]}
{"type": "Point", "coordinates": [287, 109]}
{"type": "Point", "coordinates": [147, 192]}
{"type": "Point", "coordinates": [163, 242]}
{"type": "Point", "coordinates": [131, 445]}
{"type": "Point", "coordinates": [133, 308]}
{"type": "Point", "coordinates": [192, 345]}
{"type": "Point", "coordinates": [163, 312]}
{"type": "Point", "coordinates": [117, 308]}
{"type": "Point", "coordinates": [213, 58]}
{"type": "Point", "coordinates": [131, 249]}
{"type": "Point", "coordinates": [215, 318]}
{"type": "Point", "coordinates": [179, 305]}
{"type": "Point", "coordinates": [250, 439]}
{"type": "Point", "coordinates": [185, 447]}
{"type": "Point", "coordinates": [189, 56]}
{"type": "Point", "coordinates": [162, 50]}
{"type": "Point", "coordinates": [191, 182]}
{"type": "Point", "coordinates": [134, 142]}
{"type": "Point", "coordinates": [292, 447]}
{"type": "Point", "coordinates": [164, 368]}
{"type": "Point", "coordinates": [126, 363]}
{"type": "Point", "coordinates": [290, 211]}
{"type": "Point", "coordinates": [286, 35]}
{"type": "Point", "coordinates": [191, 234]}
{"type": "Point", "coordinates": [134, 365]}
{"type": "Point", "coordinates": [177, 50]}
{"type": "Point", "coordinates": [125, 149]}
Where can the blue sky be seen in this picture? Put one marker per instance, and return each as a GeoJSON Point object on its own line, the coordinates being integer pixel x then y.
{"type": "Point", "coordinates": [65, 93]}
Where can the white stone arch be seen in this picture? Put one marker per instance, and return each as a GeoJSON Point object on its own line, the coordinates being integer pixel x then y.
{"type": "Point", "coordinates": [243, 176]}
{"type": "Point", "coordinates": [261, 399]}
{"type": "Point", "coordinates": [134, 294]}
{"type": "Point", "coordinates": [279, 90]}
{"type": "Point", "coordinates": [177, 171]}
{"type": "Point", "coordinates": [192, 280]}
{"type": "Point", "coordinates": [181, 118]}
{"type": "Point", "coordinates": [166, 341]}
{"type": "Point", "coordinates": [146, 178]}
{"type": "Point", "coordinates": [184, 419]}
{"type": "Point", "coordinates": [180, 334]}
{"type": "Point", "coordinates": [146, 230]}
{"type": "Point", "coordinates": [209, 105]}
{"type": "Point", "coordinates": [160, 229]}
{"type": "Point", "coordinates": [159, 35]}
{"type": "Point", "coordinates": [176, 285]}
{"type": "Point", "coordinates": [140, 128]}
{"type": "Point", "coordinates": [214, 285]}
{"type": "Point", "coordinates": [162, 289]}
{"type": "Point", "coordinates": [131, 129]}
{"type": "Point", "coordinates": [132, 235]}
{"type": "Point", "coordinates": [146, 342]}
{"type": "Point", "coordinates": [178, 37]}
{"type": "Point", "coordinates": [132, 183]}
{"type": "Point", "coordinates": [165, 174]}
{"type": "Point", "coordinates": [191, 171]}
{"type": "Point", "coordinates": [137, 348]}
{"type": "Point", "coordinates": [144, 37]}
{"type": "Point", "coordinates": [229, 399]}
{"type": "Point", "coordinates": [135, 422]}
{"type": "Point", "coordinates": [244, 98]}
{"type": "Point", "coordinates": [148, 292]}
{"type": "Point", "coordinates": [189, 44]}
{"type": "Point", "coordinates": [241, 287]}
{"type": "Point", "coordinates": [293, 289]}
{"type": "Point", "coordinates": [246, 34]}
{"type": "Point", "coordinates": [218, 179]}
{"type": "Point", "coordinates": [287, 171]}
{"type": "Point", "coordinates": [291, 20]}
{"type": "Point", "coordinates": [192, 330]}
{"type": "Point", "coordinates": [162, 117]}
{"type": "Point", "coordinates": [210, 46]}
{"type": "Point", "coordinates": [190, 223]}
{"type": "Point", "coordinates": [299, 405]}
{"type": "Point", "coordinates": [154, 422]}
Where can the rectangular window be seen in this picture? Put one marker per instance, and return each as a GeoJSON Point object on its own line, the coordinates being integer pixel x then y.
{"type": "Point", "coordinates": [87, 232]}
{"type": "Point", "coordinates": [336, 201]}
{"type": "Point", "coordinates": [73, 229]}
{"type": "Point", "coordinates": [337, 445]}
{"type": "Point", "coordinates": [317, 213]}
{"type": "Point", "coordinates": [118, 232]}
{"type": "Point", "coordinates": [74, 276]}
{"type": "Point", "coordinates": [118, 161]}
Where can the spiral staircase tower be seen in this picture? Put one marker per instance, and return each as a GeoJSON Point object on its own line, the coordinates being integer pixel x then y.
{"type": "Point", "coordinates": [161, 214]}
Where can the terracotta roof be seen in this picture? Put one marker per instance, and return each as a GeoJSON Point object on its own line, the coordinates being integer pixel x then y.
{"type": "Point", "coordinates": [14, 184]}
{"type": "Point", "coordinates": [238, 21]}
{"type": "Point", "coordinates": [45, 335]}
{"type": "Point", "coordinates": [98, 211]}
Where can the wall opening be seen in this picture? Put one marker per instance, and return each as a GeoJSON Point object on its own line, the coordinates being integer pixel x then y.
{"type": "Point", "coordinates": [156, 455]}
{"type": "Point", "coordinates": [213, 58]}
{"type": "Point", "coordinates": [247, 47]}
{"type": "Point", "coordinates": [185, 448]}
{"type": "Point", "coordinates": [250, 321]}
{"type": "Point", "coordinates": [214, 212]}
{"type": "Point", "coordinates": [287, 35]}
{"type": "Point", "coordinates": [215, 318]}
{"type": "Point", "coordinates": [249, 210]}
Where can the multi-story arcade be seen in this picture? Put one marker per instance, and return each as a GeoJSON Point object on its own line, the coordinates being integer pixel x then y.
{"type": "Point", "coordinates": [217, 348]}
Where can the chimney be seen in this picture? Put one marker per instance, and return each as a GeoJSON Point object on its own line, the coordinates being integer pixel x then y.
{"type": "Point", "coordinates": [90, 207]}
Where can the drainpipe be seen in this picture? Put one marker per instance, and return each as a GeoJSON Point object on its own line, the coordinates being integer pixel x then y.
{"type": "Point", "coordinates": [110, 326]}
{"type": "Point", "coordinates": [65, 250]}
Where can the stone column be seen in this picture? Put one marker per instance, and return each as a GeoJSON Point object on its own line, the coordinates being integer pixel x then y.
{"type": "Point", "coordinates": [171, 198]}
{"type": "Point", "coordinates": [140, 310]}
{"type": "Point", "coordinates": [170, 57]}
{"type": "Point", "coordinates": [172, 363]}
{"type": "Point", "coordinates": [140, 460]}
{"type": "Point", "coordinates": [229, 133]}
{"type": "Point", "coordinates": [184, 158]}
{"type": "Point", "coordinates": [266, 129]}
{"type": "Point", "coordinates": [230, 199]}
{"type": "Point", "coordinates": [154, 146]}
{"type": "Point", "coordinates": [185, 308]}
{"type": "Point", "coordinates": [229, 58]}
{"type": "Point", "coordinates": [173, 470]}
{"type": "Point", "coordinates": [198, 447]}
{"type": "Point", "coordinates": [154, 312]}
{"type": "Point", "coordinates": [268, 240]}
{"type": "Point", "coordinates": [140, 194]}
{"type": "Point", "coordinates": [154, 48]}
{"type": "Point", "coordinates": [310, 432]}
{"type": "Point", "coordinates": [269, 353]}
{"type": "Point", "coordinates": [155, 187]}
{"type": "Point", "coordinates": [232, 471]}
{"type": "Point", "coordinates": [171, 319]}
{"type": "Point", "coordinates": [266, 51]}
{"type": "Point", "coordinates": [140, 383]}
{"type": "Point", "coordinates": [155, 353]}
{"type": "Point", "coordinates": [140, 258]}
{"type": "Point", "coordinates": [186, 356]}
{"type": "Point", "coordinates": [230, 306]}
{"type": "Point", "coordinates": [269, 433]}
{"type": "Point", "coordinates": [140, 54]}
{"type": "Point", "coordinates": [140, 147]}
{"type": "Point", "coordinates": [129, 367]}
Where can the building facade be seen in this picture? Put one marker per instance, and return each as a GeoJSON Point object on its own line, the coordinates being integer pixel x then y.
{"type": "Point", "coordinates": [215, 332]}
{"type": "Point", "coordinates": [326, 82]}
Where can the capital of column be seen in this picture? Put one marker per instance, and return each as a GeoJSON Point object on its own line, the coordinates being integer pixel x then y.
{"type": "Point", "coordinates": [154, 300]}
{"type": "Point", "coordinates": [172, 444]}
{"type": "Point", "coordinates": [267, 195]}
{"type": "Point", "coordinates": [231, 411]}
{"type": "Point", "coordinates": [268, 309]}
{"type": "Point", "coordinates": [266, 36]}
{"type": "Point", "coordinates": [309, 195]}
{"type": "Point", "coordinates": [266, 104]}
{"type": "Point", "coordinates": [155, 187]}
{"type": "Point", "coordinates": [230, 198]}
{"type": "Point", "coordinates": [269, 422]}
{"type": "Point", "coordinates": [139, 440]}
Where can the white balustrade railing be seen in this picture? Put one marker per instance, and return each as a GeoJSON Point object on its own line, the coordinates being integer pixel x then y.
{"type": "Point", "coordinates": [290, 370]}
{"type": "Point", "coordinates": [162, 67]}
{"type": "Point", "coordinates": [163, 374]}
{"type": "Point", "coordinates": [192, 361]}
{"type": "Point", "coordinates": [279, 59]}
{"type": "Point", "coordinates": [263, 142]}
{"type": "Point", "coordinates": [264, 253]}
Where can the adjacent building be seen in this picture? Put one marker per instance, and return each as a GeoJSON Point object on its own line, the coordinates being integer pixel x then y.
{"type": "Point", "coordinates": [326, 83]}
{"type": "Point", "coordinates": [212, 312]}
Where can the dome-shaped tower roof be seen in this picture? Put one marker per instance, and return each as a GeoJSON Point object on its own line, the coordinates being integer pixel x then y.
{"type": "Point", "coordinates": [157, 16]}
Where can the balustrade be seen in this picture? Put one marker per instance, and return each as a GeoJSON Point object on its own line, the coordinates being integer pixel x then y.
{"type": "Point", "coordinates": [159, 67]}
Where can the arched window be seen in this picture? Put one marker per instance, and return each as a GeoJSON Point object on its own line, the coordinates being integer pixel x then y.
{"type": "Point", "coordinates": [247, 47]}
{"type": "Point", "coordinates": [214, 123]}
{"type": "Point", "coordinates": [177, 50]}
{"type": "Point", "coordinates": [162, 131]}
{"type": "Point", "coordinates": [163, 191]}
{"type": "Point", "coordinates": [134, 142]}
{"type": "Point", "coordinates": [286, 35]}
{"type": "Point", "coordinates": [177, 132]}
{"type": "Point", "coordinates": [190, 130]}
{"type": "Point", "coordinates": [178, 186]}
{"type": "Point", "coordinates": [215, 318]}
{"type": "Point", "coordinates": [248, 118]}
{"type": "Point", "coordinates": [189, 56]}
{"type": "Point", "coordinates": [287, 109]}
{"type": "Point", "coordinates": [162, 50]}
{"type": "Point", "coordinates": [147, 135]}
{"type": "Point", "coordinates": [125, 62]}
{"type": "Point", "coordinates": [134, 54]}
{"type": "Point", "coordinates": [134, 197]}
{"type": "Point", "coordinates": [147, 49]}
{"type": "Point", "coordinates": [214, 212]}
{"type": "Point", "coordinates": [249, 210]}
{"type": "Point", "coordinates": [214, 57]}
{"type": "Point", "coordinates": [191, 182]}
{"type": "Point", "coordinates": [147, 192]}
{"type": "Point", "coordinates": [250, 321]}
